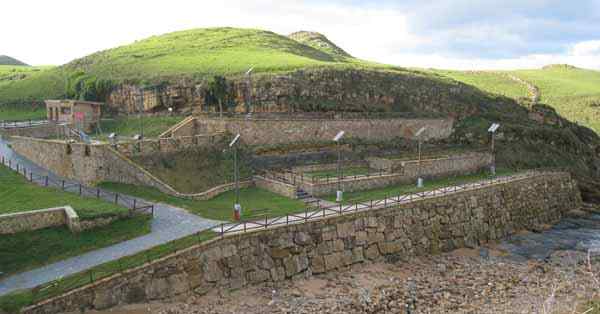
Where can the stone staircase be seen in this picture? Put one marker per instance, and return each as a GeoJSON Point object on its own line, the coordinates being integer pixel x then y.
{"type": "Point", "coordinates": [174, 128]}
{"type": "Point", "coordinates": [308, 199]}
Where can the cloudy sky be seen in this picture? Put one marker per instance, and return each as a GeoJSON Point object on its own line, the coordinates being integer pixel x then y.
{"type": "Point", "coordinates": [462, 34]}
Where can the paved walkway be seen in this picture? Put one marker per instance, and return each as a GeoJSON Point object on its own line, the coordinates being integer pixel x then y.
{"type": "Point", "coordinates": [326, 209]}
{"type": "Point", "coordinates": [169, 223]}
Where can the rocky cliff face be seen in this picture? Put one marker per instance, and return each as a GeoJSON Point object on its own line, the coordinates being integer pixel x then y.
{"type": "Point", "coordinates": [313, 90]}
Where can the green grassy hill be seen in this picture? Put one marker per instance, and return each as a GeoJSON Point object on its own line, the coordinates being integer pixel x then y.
{"type": "Point", "coordinates": [6, 60]}
{"type": "Point", "coordinates": [196, 54]}
{"type": "Point", "coordinates": [573, 92]}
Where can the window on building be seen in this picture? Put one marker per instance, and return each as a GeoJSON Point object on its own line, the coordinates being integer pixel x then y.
{"type": "Point", "coordinates": [65, 110]}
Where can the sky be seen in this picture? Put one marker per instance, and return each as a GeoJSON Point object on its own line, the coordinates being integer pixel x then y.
{"type": "Point", "coordinates": [449, 34]}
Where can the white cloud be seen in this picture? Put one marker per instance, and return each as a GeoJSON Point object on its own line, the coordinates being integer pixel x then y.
{"type": "Point", "coordinates": [586, 48]}
{"type": "Point", "coordinates": [55, 32]}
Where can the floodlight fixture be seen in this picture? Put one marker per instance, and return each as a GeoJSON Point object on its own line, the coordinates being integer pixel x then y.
{"type": "Point", "coordinates": [494, 127]}
{"type": "Point", "coordinates": [249, 71]}
{"type": "Point", "coordinates": [112, 135]}
{"type": "Point", "coordinates": [235, 139]}
{"type": "Point", "coordinates": [339, 136]}
{"type": "Point", "coordinates": [170, 109]}
{"type": "Point", "coordinates": [137, 137]}
{"type": "Point", "coordinates": [420, 131]}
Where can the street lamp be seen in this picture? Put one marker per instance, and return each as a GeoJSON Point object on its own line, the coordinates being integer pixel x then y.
{"type": "Point", "coordinates": [141, 111]}
{"type": "Point", "coordinates": [420, 141]}
{"type": "Point", "coordinates": [249, 88]}
{"type": "Point", "coordinates": [337, 139]}
{"type": "Point", "coordinates": [492, 130]}
{"type": "Point", "coordinates": [237, 208]}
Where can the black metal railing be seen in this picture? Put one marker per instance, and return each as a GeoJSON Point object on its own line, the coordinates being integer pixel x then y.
{"type": "Point", "coordinates": [135, 206]}
{"type": "Point", "coordinates": [387, 202]}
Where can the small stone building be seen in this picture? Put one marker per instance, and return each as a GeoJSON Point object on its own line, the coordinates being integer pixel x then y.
{"type": "Point", "coordinates": [82, 114]}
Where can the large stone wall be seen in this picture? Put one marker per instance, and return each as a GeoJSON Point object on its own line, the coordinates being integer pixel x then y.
{"type": "Point", "coordinates": [456, 163]}
{"type": "Point", "coordinates": [432, 225]}
{"type": "Point", "coordinates": [314, 90]}
{"type": "Point", "coordinates": [265, 132]}
{"type": "Point", "coordinates": [166, 145]}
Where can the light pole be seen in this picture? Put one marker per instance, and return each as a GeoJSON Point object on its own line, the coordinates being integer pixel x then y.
{"type": "Point", "coordinates": [336, 139]}
{"type": "Point", "coordinates": [249, 89]}
{"type": "Point", "coordinates": [141, 111]}
{"type": "Point", "coordinates": [237, 208]}
{"type": "Point", "coordinates": [420, 142]}
{"type": "Point", "coordinates": [492, 130]}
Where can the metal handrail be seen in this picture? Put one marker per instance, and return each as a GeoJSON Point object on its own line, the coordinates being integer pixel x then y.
{"type": "Point", "coordinates": [387, 202]}
{"type": "Point", "coordinates": [135, 206]}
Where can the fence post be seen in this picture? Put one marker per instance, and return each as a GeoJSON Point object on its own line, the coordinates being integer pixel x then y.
{"type": "Point", "coordinates": [30, 176]}
{"type": "Point", "coordinates": [98, 193]}
{"type": "Point", "coordinates": [79, 189]}
{"type": "Point", "coordinates": [63, 185]}
{"type": "Point", "coordinates": [134, 203]}
{"type": "Point", "coordinates": [46, 182]}
{"type": "Point", "coordinates": [91, 276]}
{"type": "Point", "coordinates": [116, 198]}
{"type": "Point", "coordinates": [266, 221]}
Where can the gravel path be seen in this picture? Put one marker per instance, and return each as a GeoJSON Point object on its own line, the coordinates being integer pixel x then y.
{"type": "Point", "coordinates": [169, 223]}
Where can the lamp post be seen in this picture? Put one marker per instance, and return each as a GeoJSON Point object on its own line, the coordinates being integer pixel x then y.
{"type": "Point", "coordinates": [336, 139]}
{"type": "Point", "coordinates": [249, 88]}
{"type": "Point", "coordinates": [237, 208]}
{"type": "Point", "coordinates": [420, 142]}
{"type": "Point", "coordinates": [492, 130]}
{"type": "Point", "coordinates": [141, 112]}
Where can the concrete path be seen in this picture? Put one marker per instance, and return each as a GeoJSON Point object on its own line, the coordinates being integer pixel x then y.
{"type": "Point", "coordinates": [169, 223]}
{"type": "Point", "coordinates": [326, 209]}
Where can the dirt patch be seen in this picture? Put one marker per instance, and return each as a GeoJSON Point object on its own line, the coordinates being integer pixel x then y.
{"type": "Point", "coordinates": [463, 281]}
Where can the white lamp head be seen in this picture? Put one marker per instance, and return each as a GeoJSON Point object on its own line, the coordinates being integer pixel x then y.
{"type": "Point", "coordinates": [494, 127]}
{"type": "Point", "coordinates": [420, 131]}
{"type": "Point", "coordinates": [339, 136]}
{"type": "Point", "coordinates": [249, 71]}
{"type": "Point", "coordinates": [235, 139]}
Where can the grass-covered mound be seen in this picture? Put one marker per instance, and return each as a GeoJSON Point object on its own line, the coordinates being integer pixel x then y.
{"type": "Point", "coordinates": [6, 60]}
{"type": "Point", "coordinates": [197, 53]}
{"type": "Point", "coordinates": [573, 92]}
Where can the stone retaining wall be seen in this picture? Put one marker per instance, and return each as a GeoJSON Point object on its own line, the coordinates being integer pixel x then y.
{"type": "Point", "coordinates": [51, 217]}
{"type": "Point", "coordinates": [426, 226]}
{"type": "Point", "coordinates": [458, 163]}
{"type": "Point", "coordinates": [39, 131]}
{"type": "Point", "coordinates": [166, 145]}
{"type": "Point", "coordinates": [280, 131]}
{"type": "Point", "coordinates": [277, 187]}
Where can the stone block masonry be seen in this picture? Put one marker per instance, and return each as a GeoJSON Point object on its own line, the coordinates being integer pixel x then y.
{"type": "Point", "coordinates": [425, 226]}
{"type": "Point", "coordinates": [51, 217]}
{"type": "Point", "coordinates": [280, 131]}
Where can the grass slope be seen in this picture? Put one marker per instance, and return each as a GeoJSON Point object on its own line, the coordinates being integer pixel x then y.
{"type": "Point", "coordinates": [197, 53]}
{"type": "Point", "coordinates": [49, 245]}
{"type": "Point", "coordinates": [18, 195]}
{"type": "Point", "coordinates": [6, 60]}
{"type": "Point", "coordinates": [253, 200]}
{"type": "Point", "coordinates": [573, 92]}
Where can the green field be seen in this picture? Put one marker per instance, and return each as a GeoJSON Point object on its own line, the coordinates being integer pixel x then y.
{"type": "Point", "coordinates": [46, 246]}
{"type": "Point", "coordinates": [254, 201]}
{"type": "Point", "coordinates": [12, 113]}
{"type": "Point", "coordinates": [18, 195]}
{"type": "Point", "coordinates": [392, 191]}
{"type": "Point", "coordinates": [196, 54]}
{"type": "Point", "coordinates": [573, 92]}
{"type": "Point", "coordinates": [495, 82]}
{"type": "Point", "coordinates": [13, 302]}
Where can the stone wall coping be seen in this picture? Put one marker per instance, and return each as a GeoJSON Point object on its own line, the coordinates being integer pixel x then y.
{"type": "Point", "coordinates": [328, 120]}
{"type": "Point", "coordinates": [34, 212]}
{"type": "Point", "coordinates": [447, 156]}
{"type": "Point", "coordinates": [236, 236]}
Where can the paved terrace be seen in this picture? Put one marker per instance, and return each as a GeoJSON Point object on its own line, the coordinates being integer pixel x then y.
{"type": "Point", "coordinates": [327, 209]}
{"type": "Point", "coordinates": [169, 223]}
